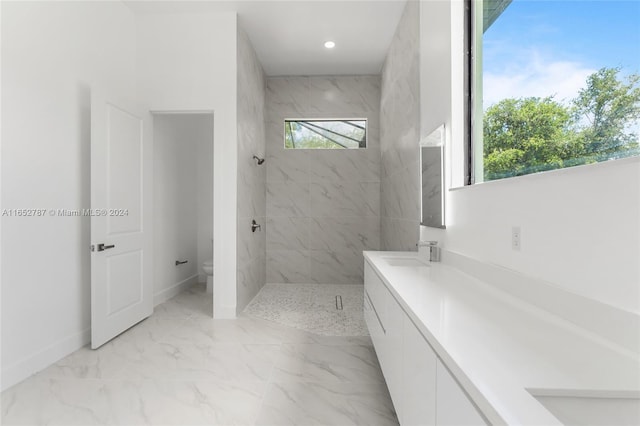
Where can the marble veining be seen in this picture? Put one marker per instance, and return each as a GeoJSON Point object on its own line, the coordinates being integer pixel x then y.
{"type": "Point", "coordinates": [287, 165]}
{"type": "Point", "coordinates": [288, 266]}
{"type": "Point", "coordinates": [401, 193]}
{"type": "Point", "coordinates": [400, 135]}
{"type": "Point", "coordinates": [346, 166]}
{"type": "Point", "coordinates": [288, 199]}
{"type": "Point", "coordinates": [351, 233]}
{"type": "Point", "coordinates": [312, 194]}
{"type": "Point", "coordinates": [329, 199]}
{"type": "Point", "coordinates": [181, 367]}
{"type": "Point", "coordinates": [251, 268]}
{"type": "Point", "coordinates": [340, 266]}
{"type": "Point", "coordinates": [399, 234]}
{"type": "Point", "coordinates": [288, 233]}
{"type": "Point", "coordinates": [326, 403]}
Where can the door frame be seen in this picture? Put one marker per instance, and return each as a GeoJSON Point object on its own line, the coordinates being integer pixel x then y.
{"type": "Point", "coordinates": [160, 112]}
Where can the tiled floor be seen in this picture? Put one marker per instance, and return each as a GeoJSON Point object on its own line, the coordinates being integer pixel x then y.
{"type": "Point", "coordinates": [180, 367]}
{"type": "Point", "coordinates": [312, 307]}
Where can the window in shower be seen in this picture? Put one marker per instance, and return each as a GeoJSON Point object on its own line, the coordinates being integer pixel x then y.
{"type": "Point", "coordinates": [325, 134]}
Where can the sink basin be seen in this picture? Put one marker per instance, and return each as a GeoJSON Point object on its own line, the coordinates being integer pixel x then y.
{"type": "Point", "coordinates": [615, 409]}
{"type": "Point", "coordinates": [406, 262]}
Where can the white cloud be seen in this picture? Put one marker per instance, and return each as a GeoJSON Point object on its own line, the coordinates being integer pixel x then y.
{"type": "Point", "coordinates": [532, 75]}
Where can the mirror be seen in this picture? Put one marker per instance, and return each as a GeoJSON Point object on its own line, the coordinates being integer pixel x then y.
{"type": "Point", "coordinates": [432, 178]}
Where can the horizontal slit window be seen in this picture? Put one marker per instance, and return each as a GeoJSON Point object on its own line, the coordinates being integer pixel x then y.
{"type": "Point", "coordinates": [325, 134]}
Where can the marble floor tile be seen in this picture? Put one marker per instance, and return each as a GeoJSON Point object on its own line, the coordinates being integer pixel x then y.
{"type": "Point", "coordinates": [56, 402]}
{"type": "Point", "coordinates": [240, 330]}
{"type": "Point", "coordinates": [343, 340]}
{"type": "Point", "coordinates": [324, 363]}
{"type": "Point", "coordinates": [190, 362]}
{"type": "Point", "coordinates": [189, 403]}
{"type": "Point", "coordinates": [180, 367]}
{"type": "Point", "coordinates": [21, 404]}
{"type": "Point", "coordinates": [151, 329]}
{"type": "Point", "coordinates": [85, 363]}
{"type": "Point", "coordinates": [299, 403]}
{"type": "Point", "coordinates": [108, 361]}
{"type": "Point", "coordinates": [129, 402]}
{"type": "Point", "coordinates": [193, 303]}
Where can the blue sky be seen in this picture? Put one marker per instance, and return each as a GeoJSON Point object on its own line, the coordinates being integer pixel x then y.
{"type": "Point", "coordinates": [541, 48]}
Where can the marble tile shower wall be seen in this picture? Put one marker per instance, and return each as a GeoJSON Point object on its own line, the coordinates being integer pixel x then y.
{"type": "Point", "coordinates": [251, 261]}
{"type": "Point", "coordinates": [323, 206]}
{"type": "Point", "coordinates": [399, 136]}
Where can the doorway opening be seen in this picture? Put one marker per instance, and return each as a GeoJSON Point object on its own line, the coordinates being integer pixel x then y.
{"type": "Point", "coordinates": [183, 211]}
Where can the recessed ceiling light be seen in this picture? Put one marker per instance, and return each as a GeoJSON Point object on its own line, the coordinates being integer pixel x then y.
{"type": "Point", "coordinates": [329, 44]}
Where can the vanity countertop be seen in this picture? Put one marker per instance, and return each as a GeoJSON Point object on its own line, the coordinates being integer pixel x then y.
{"type": "Point", "coordinates": [502, 349]}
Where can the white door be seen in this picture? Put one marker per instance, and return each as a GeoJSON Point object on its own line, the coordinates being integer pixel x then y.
{"type": "Point", "coordinates": [121, 274]}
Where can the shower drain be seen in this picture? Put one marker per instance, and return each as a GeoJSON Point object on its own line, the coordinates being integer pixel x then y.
{"type": "Point", "coordinates": [339, 303]}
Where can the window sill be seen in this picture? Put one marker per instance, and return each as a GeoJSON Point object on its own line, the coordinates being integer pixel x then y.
{"type": "Point", "coordinates": [552, 174]}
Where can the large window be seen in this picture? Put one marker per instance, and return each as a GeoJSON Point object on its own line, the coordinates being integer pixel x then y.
{"type": "Point", "coordinates": [554, 84]}
{"type": "Point", "coordinates": [325, 134]}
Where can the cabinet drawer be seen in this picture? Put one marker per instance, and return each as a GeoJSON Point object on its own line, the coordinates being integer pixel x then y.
{"type": "Point", "coordinates": [377, 292]}
{"type": "Point", "coordinates": [373, 323]}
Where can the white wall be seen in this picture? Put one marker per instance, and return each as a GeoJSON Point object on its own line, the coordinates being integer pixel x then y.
{"type": "Point", "coordinates": [187, 62]}
{"type": "Point", "coordinates": [180, 183]}
{"type": "Point", "coordinates": [580, 226]}
{"type": "Point", "coordinates": [51, 54]}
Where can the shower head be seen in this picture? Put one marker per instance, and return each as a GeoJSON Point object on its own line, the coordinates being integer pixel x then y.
{"type": "Point", "coordinates": [258, 159]}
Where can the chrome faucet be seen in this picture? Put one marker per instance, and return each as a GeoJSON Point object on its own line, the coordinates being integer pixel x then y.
{"type": "Point", "coordinates": [434, 250]}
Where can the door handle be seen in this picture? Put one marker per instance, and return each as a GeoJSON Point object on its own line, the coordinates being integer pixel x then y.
{"type": "Point", "coordinates": [102, 247]}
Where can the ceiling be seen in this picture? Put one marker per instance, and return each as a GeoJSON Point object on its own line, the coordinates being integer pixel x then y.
{"type": "Point", "coordinates": [288, 36]}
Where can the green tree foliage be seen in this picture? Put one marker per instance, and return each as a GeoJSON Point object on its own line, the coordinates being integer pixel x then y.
{"type": "Point", "coordinates": [529, 135]}
{"type": "Point", "coordinates": [606, 107]}
{"type": "Point", "coordinates": [525, 135]}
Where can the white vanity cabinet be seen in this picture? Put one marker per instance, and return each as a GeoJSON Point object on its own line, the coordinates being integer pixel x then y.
{"type": "Point", "coordinates": [374, 309]}
{"type": "Point", "coordinates": [419, 364]}
{"type": "Point", "coordinates": [453, 408]}
{"type": "Point", "coordinates": [393, 349]}
{"type": "Point", "coordinates": [384, 319]}
{"type": "Point", "coordinates": [422, 390]}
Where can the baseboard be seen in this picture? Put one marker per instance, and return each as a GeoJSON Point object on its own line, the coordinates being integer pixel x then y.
{"type": "Point", "coordinates": [611, 323]}
{"type": "Point", "coordinates": [166, 294]}
{"type": "Point", "coordinates": [20, 371]}
{"type": "Point", "coordinates": [53, 353]}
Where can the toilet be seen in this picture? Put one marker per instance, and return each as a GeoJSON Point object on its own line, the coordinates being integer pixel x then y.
{"type": "Point", "coordinates": [207, 267]}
